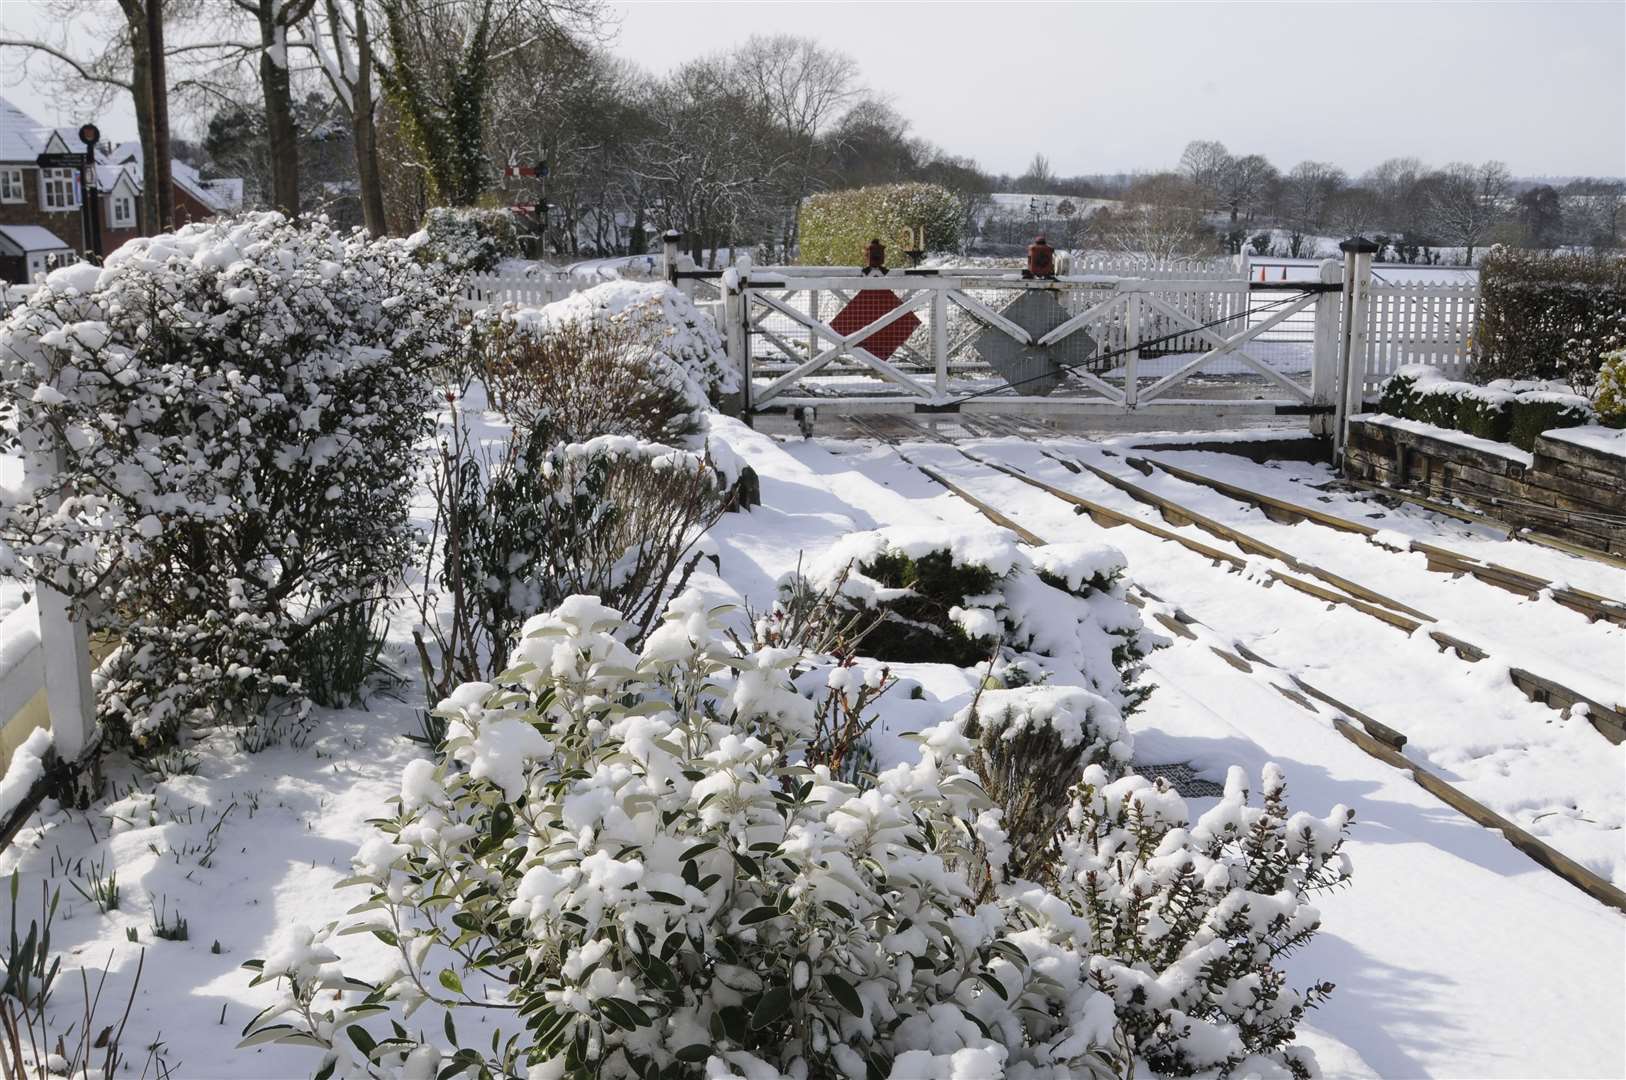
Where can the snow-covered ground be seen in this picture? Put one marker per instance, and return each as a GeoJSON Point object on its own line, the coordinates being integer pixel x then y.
{"type": "Point", "coordinates": [1454, 954]}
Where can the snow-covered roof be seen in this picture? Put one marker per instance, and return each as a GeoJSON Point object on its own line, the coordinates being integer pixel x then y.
{"type": "Point", "coordinates": [32, 238]}
{"type": "Point", "coordinates": [222, 196]}
{"type": "Point", "coordinates": [22, 138]}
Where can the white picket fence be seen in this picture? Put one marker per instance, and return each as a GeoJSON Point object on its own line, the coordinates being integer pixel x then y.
{"type": "Point", "coordinates": [490, 290]}
{"type": "Point", "coordinates": [1419, 322]}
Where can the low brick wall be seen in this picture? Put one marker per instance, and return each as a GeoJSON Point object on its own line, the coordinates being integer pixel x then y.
{"type": "Point", "coordinates": [1572, 492]}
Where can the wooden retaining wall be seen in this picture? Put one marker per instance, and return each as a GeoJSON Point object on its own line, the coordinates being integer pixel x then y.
{"type": "Point", "coordinates": [1568, 491]}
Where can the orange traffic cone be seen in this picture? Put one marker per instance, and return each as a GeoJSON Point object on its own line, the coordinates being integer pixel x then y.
{"type": "Point", "coordinates": [1261, 273]}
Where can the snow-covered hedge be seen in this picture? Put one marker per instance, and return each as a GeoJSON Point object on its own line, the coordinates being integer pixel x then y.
{"type": "Point", "coordinates": [958, 595]}
{"type": "Point", "coordinates": [622, 358]}
{"type": "Point", "coordinates": [470, 239]}
{"type": "Point", "coordinates": [236, 407]}
{"type": "Point", "coordinates": [1544, 315]}
{"type": "Point", "coordinates": [835, 227]}
{"type": "Point", "coordinates": [625, 849]}
{"type": "Point", "coordinates": [1504, 410]}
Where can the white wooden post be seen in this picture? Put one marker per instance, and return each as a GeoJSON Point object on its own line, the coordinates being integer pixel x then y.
{"type": "Point", "coordinates": [1325, 350]}
{"type": "Point", "coordinates": [736, 310]}
{"type": "Point", "coordinates": [1132, 357]}
{"type": "Point", "coordinates": [1358, 252]}
{"type": "Point", "coordinates": [65, 654]}
{"type": "Point", "coordinates": [813, 313]}
{"type": "Point", "coordinates": [940, 342]}
{"type": "Point", "coordinates": [669, 254]}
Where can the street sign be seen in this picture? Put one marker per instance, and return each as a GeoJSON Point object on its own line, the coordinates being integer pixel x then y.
{"type": "Point", "coordinates": [60, 161]}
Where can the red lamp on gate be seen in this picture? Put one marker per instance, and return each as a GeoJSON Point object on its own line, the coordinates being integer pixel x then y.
{"type": "Point", "coordinates": [1041, 260]}
{"type": "Point", "coordinates": [875, 257]}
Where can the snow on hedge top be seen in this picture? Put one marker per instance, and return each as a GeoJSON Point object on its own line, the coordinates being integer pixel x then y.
{"type": "Point", "coordinates": [688, 340]}
{"type": "Point", "coordinates": [1592, 436]}
{"type": "Point", "coordinates": [994, 549]}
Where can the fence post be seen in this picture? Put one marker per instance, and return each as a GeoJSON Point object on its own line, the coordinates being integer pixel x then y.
{"type": "Point", "coordinates": [940, 342]}
{"type": "Point", "coordinates": [1358, 252]}
{"type": "Point", "coordinates": [1132, 357]}
{"type": "Point", "coordinates": [669, 255]}
{"type": "Point", "coordinates": [65, 656]}
{"type": "Point", "coordinates": [736, 309]}
{"type": "Point", "coordinates": [1325, 351]}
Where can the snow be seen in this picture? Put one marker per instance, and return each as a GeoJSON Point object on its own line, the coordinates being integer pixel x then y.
{"type": "Point", "coordinates": [1460, 438]}
{"type": "Point", "coordinates": [27, 765]}
{"type": "Point", "coordinates": [1449, 949]}
{"type": "Point", "coordinates": [1605, 440]}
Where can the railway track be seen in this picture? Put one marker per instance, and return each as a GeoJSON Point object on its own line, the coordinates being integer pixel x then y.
{"type": "Point", "coordinates": [1374, 737]}
{"type": "Point", "coordinates": [1300, 574]}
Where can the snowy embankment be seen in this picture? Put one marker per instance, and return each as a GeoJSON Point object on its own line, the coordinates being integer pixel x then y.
{"type": "Point", "coordinates": [1449, 948]}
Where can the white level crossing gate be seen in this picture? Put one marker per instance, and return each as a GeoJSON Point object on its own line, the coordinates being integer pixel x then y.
{"type": "Point", "coordinates": [1211, 342]}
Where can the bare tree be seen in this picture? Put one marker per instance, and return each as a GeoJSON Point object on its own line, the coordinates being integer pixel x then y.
{"type": "Point", "coordinates": [1307, 192]}
{"type": "Point", "coordinates": [1465, 203]}
{"type": "Point", "coordinates": [1205, 162]}
{"type": "Point", "coordinates": [340, 35]}
{"type": "Point", "coordinates": [1396, 185]}
{"type": "Point", "coordinates": [1161, 219]}
{"type": "Point", "coordinates": [1244, 183]}
{"type": "Point", "coordinates": [803, 86]}
{"type": "Point", "coordinates": [1039, 176]}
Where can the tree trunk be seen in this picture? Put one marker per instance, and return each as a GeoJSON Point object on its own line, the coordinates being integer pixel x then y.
{"type": "Point", "coordinates": [364, 137]}
{"type": "Point", "coordinates": [156, 162]}
{"type": "Point", "coordinates": [141, 94]}
{"type": "Point", "coordinates": [279, 109]}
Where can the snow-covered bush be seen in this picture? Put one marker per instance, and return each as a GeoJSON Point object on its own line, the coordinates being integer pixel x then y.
{"type": "Point", "coordinates": [1506, 410]}
{"type": "Point", "coordinates": [681, 336]}
{"type": "Point", "coordinates": [622, 847]}
{"type": "Point", "coordinates": [1544, 315]}
{"type": "Point", "coordinates": [1187, 921]}
{"type": "Point", "coordinates": [1611, 400]}
{"type": "Point", "coordinates": [470, 239]}
{"type": "Point", "coordinates": [235, 407]}
{"type": "Point", "coordinates": [620, 359]}
{"type": "Point", "coordinates": [963, 596]}
{"type": "Point", "coordinates": [621, 854]}
{"type": "Point", "coordinates": [614, 517]}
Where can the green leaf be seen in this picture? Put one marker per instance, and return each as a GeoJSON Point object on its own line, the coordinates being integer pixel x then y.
{"type": "Point", "coordinates": [993, 984]}
{"type": "Point", "coordinates": [761, 914]}
{"type": "Point", "coordinates": [359, 1035]}
{"type": "Point", "coordinates": [771, 1006]}
{"type": "Point", "coordinates": [694, 1053]}
{"type": "Point", "coordinates": [845, 995]}
{"type": "Point", "coordinates": [386, 936]}
{"type": "Point", "coordinates": [449, 979]}
{"type": "Point", "coordinates": [698, 850]}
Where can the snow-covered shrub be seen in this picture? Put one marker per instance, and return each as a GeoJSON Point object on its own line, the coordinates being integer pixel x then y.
{"type": "Point", "coordinates": [470, 239]}
{"type": "Point", "coordinates": [1611, 400]}
{"type": "Point", "coordinates": [1531, 414]}
{"type": "Point", "coordinates": [583, 371]}
{"type": "Point", "coordinates": [683, 340]}
{"type": "Point", "coordinates": [963, 596]}
{"type": "Point", "coordinates": [236, 407]}
{"type": "Point", "coordinates": [620, 868]}
{"type": "Point", "coordinates": [622, 847]}
{"type": "Point", "coordinates": [1544, 315]}
{"type": "Point", "coordinates": [1187, 921]}
{"type": "Point", "coordinates": [614, 516]}
{"type": "Point", "coordinates": [1507, 410]}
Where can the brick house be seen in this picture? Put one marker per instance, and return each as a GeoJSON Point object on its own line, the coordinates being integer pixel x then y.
{"type": "Point", "coordinates": [40, 209]}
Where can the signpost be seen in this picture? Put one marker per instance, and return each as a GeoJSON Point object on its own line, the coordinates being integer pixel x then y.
{"type": "Point", "coordinates": [90, 222]}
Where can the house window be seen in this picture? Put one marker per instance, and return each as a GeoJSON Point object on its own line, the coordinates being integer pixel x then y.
{"type": "Point", "coordinates": [11, 185]}
{"type": "Point", "coordinates": [59, 189]}
{"type": "Point", "coordinates": [122, 210]}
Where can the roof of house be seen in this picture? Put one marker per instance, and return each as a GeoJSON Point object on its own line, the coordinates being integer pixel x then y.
{"type": "Point", "coordinates": [33, 238]}
{"type": "Point", "coordinates": [222, 195]}
{"type": "Point", "coordinates": [22, 138]}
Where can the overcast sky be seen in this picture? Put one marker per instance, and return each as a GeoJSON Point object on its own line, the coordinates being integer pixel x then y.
{"type": "Point", "coordinates": [1117, 86]}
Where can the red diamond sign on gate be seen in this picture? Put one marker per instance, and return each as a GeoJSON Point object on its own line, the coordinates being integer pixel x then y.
{"type": "Point", "coordinates": [865, 308]}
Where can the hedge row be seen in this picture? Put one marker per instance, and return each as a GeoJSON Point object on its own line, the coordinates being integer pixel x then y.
{"type": "Point", "coordinates": [837, 226]}
{"type": "Point", "coordinates": [1419, 393]}
{"type": "Point", "coordinates": [1545, 316]}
